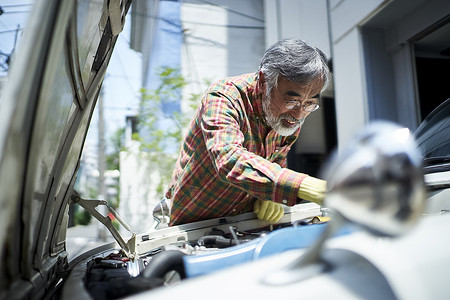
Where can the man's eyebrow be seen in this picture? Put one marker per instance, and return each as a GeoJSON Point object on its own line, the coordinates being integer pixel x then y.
{"type": "Point", "coordinates": [292, 93]}
{"type": "Point", "coordinates": [295, 94]}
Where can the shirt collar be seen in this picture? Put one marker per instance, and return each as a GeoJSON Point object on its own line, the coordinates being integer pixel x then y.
{"type": "Point", "coordinates": [256, 98]}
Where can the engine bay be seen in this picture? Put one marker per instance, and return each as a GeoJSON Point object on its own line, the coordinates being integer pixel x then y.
{"type": "Point", "coordinates": [115, 275]}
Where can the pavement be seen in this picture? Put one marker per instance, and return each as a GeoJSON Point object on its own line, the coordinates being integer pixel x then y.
{"type": "Point", "coordinates": [80, 238]}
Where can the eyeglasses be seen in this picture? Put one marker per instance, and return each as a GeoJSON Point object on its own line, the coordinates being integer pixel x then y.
{"type": "Point", "coordinates": [308, 106]}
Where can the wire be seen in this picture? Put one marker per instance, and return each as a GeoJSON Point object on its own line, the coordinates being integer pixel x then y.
{"type": "Point", "coordinates": [229, 26]}
{"type": "Point", "coordinates": [119, 108]}
{"type": "Point", "coordinates": [171, 22]}
{"type": "Point", "coordinates": [16, 5]}
{"type": "Point", "coordinates": [233, 11]}
{"type": "Point", "coordinates": [17, 12]}
{"type": "Point", "coordinates": [130, 83]}
{"type": "Point", "coordinates": [12, 30]}
{"type": "Point", "coordinates": [121, 76]}
{"type": "Point", "coordinates": [197, 23]}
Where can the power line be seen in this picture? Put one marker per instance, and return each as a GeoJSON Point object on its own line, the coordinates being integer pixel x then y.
{"type": "Point", "coordinates": [17, 12]}
{"type": "Point", "coordinates": [14, 11]}
{"type": "Point", "coordinates": [17, 5]}
{"type": "Point", "coordinates": [12, 30]}
{"type": "Point", "coordinates": [232, 10]}
{"type": "Point", "coordinates": [119, 108]}
{"type": "Point", "coordinates": [121, 76]}
{"type": "Point", "coordinates": [227, 25]}
{"type": "Point", "coordinates": [196, 23]}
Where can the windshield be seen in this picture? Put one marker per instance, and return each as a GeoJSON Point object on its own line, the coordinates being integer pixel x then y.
{"type": "Point", "coordinates": [433, 135]}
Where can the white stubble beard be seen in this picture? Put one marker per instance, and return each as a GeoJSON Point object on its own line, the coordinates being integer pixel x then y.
{"type": "Point", "coordinates": [276, 123]}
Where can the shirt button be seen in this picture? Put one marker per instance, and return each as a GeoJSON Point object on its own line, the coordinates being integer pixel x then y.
{"type": "Point", "coordinates": [284, 201]}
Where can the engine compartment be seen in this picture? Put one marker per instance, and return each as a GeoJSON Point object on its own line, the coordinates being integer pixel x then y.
{"type": "Point", "coordinates": [115, 275]}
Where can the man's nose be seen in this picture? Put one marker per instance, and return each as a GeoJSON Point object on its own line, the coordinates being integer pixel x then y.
{"type": "Point", "coordinates": [298, 112]}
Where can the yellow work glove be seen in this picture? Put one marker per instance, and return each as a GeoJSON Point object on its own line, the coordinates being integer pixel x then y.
{"type": "Point", "coordinates": [313, 189]}
{"type": "Point", "coordinates": [268, 210]}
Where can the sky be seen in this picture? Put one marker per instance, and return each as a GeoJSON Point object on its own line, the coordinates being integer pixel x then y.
{"type": "Point", "coordinates": [122, 81]}
{"type": "Point", "coordinates": [121, 87]}
{"type": "Point", "coordinates": [12, 22]}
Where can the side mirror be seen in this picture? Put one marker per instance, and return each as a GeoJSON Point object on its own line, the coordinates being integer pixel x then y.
{"type": "Point", "coordinates": [377, 181]}
{"type": "Point", "coordinates": [161, 213]}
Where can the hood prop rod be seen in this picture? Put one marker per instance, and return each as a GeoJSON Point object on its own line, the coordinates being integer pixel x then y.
{"type": "Point", "coordinates": [128, 247]}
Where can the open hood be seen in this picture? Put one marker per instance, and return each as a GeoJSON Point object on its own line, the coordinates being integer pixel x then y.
{"type": "Point", "coordinates": [45, 112]}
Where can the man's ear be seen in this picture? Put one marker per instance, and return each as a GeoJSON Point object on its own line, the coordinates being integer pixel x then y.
{"type": "Point", "coordinates": [261, 83]}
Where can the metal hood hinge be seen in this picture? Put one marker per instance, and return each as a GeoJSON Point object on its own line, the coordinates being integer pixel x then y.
{"type": "Point", "coordinates": [129, 247]}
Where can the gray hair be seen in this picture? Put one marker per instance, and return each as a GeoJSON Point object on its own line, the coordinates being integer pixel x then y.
{"type": "Point", "coordinates": [296, 61]}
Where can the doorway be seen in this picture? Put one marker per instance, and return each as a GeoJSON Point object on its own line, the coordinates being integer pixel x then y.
{"type": "Point", "coordinates": [432, 61]}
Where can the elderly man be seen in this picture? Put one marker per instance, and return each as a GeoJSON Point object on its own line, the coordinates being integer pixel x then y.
{"type": "Point", "coordinates": [233, 159]}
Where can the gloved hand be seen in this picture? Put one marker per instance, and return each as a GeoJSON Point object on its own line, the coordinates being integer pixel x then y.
{"type": "Point", "coordinates": [268, 210]}
{"type": "Point", "coordinates": [313, 189]}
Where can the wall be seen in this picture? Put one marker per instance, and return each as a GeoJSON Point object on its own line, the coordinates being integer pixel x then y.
{"type": "Point", "coordinates": [307, 20]}
{"type": "Point", "coordinates": [372, 44]}
{"type": "Point", "coordinates": [221, 39]}
{"type": "Point", "coordinates": [374, 60]}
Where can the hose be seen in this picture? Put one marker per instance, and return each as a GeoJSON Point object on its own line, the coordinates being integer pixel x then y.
{"type": "Point", "coordinates": [215, 241]}
{"type": "Point", "coordinates": [164, 262]}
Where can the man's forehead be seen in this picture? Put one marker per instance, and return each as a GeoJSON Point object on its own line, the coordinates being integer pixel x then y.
{"type": "Point", "coordinates": [291, 86]}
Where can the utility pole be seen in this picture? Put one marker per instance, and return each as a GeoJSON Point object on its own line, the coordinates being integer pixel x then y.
{"type": "Point", "coordinates": [6, 58]}
{"type": "Point", "coordinates": [102, 195]}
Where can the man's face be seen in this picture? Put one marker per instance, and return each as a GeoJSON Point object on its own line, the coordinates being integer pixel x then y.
{"type": "Point", "coordinates": [277, 105]}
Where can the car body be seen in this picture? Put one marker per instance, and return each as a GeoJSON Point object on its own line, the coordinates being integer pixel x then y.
{"type": "Point", "coordinates": [45, 114]}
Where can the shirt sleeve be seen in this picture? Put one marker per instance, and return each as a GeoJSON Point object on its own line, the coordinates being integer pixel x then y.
{"type": "Point", "coordinates": [222, 118]}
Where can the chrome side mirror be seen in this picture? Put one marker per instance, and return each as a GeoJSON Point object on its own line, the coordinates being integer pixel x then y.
{"type": "Point", "coordinates": [377, 181]}
{"type": "Point", "coordinates": [161, 213]}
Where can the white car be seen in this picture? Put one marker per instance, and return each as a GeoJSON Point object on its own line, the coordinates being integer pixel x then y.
{"type": "Point", "coordinates": [382, 235]}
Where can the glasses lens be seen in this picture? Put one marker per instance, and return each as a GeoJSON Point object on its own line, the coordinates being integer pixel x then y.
{"type": "Point", "coordinates": [312, 107]}
{"type": "Point", "coordinates": [295, 104]}
{"type": "Point", "coordinates": [292, 104]}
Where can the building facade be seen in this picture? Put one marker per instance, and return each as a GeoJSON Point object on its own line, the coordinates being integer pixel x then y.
{"type": "Point", "coordinates": [389, 58]}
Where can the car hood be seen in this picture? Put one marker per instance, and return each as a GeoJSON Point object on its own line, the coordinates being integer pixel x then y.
{"type": "Point", "coordinates": [45, 112]}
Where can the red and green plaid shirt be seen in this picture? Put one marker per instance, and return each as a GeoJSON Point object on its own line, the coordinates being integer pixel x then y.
{"type": "Point", "coordinates": [231, 157]}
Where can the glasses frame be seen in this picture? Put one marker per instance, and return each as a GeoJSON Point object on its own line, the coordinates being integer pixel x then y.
{"type": "Point", "coordinates": [293, 104]}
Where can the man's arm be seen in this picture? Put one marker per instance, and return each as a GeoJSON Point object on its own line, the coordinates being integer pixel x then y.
{"type": "Point", "coordinates": [221, 121]}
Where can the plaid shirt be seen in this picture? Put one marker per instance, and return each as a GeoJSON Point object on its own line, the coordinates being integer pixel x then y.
{"type": "Point", "coordinates": [231, 157]}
